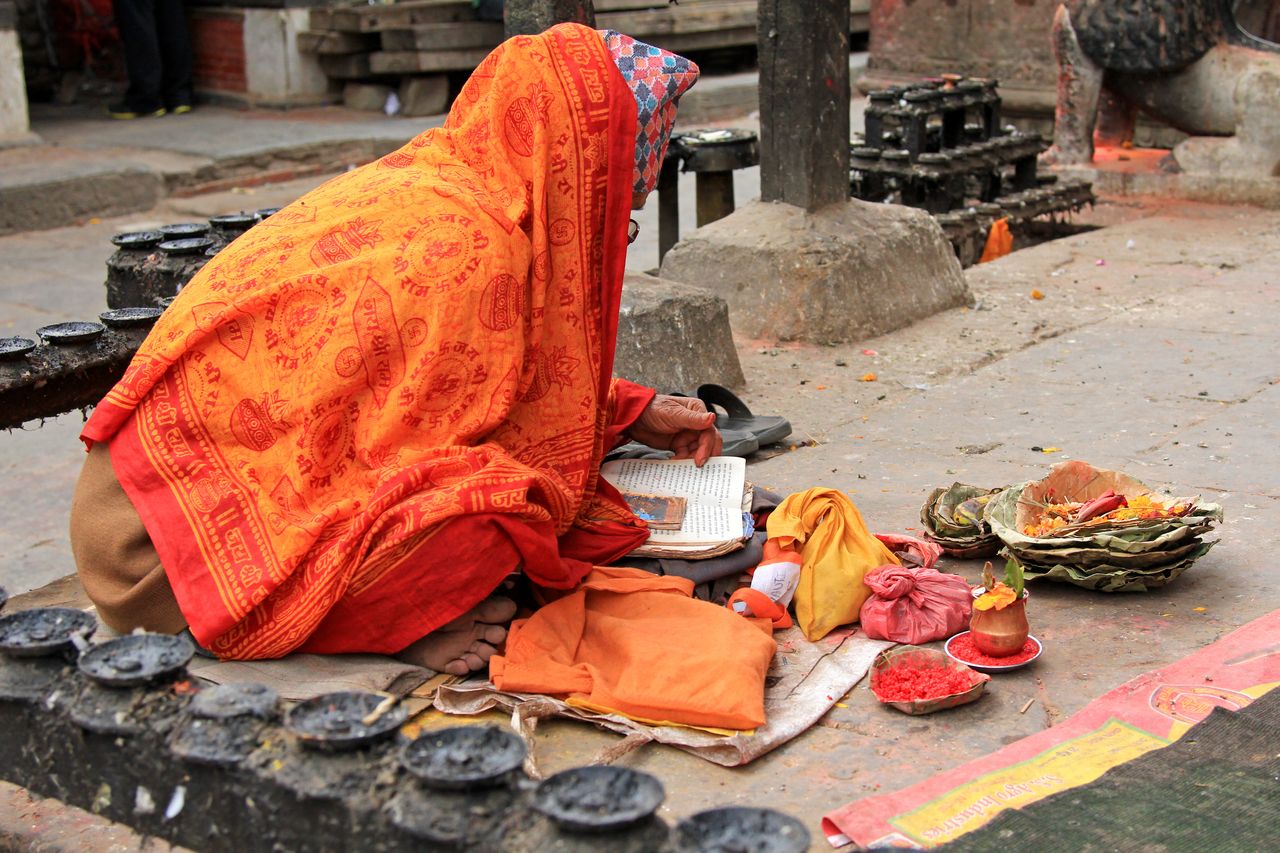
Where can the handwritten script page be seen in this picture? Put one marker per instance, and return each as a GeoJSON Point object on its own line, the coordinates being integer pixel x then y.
{"type": "Point", "coordinates": [713, 493]}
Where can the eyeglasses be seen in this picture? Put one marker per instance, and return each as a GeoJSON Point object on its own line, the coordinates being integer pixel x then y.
{"type": "Point", "coordinates": [633, 231]}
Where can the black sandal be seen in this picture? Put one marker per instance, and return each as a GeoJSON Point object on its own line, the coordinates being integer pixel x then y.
{"type": "Point", "coordinates": [767, 429]}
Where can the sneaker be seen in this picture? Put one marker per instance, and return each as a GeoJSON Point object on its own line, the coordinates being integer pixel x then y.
{"type": "Point", "coordinates": [124, 112]}
{"type": "Point", "coordinates": [180, 109]}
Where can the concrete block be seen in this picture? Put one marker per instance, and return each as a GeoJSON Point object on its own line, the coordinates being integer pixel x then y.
{"type": "Point", "coordinates": [276, 72]}
{"type": "Point", "coordinates": [424, 96]}
{"type": "Point", "coordinates": [365, 96]}
{"type": "Point", "coordinates": [674, 337]}
{"type": "Point", "coordinates": [14, 124]}
{"type": "Point", "coordinates": [844, 273]}
{"type": "Point", "coordinates": [67, 198]}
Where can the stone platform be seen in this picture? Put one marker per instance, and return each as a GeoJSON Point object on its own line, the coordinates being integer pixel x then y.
{"type": "Point", "coordinates": [847, 272]}
{"type": "Point", "coordinates": [1141, 172]}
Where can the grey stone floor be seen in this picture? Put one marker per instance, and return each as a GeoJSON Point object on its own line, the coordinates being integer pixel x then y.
{"type": "Point", "coordinates": [1153, 350]}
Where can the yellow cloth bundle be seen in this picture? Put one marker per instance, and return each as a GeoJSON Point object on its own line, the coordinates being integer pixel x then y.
{"type": "Point", "coordinates": [838, 550]}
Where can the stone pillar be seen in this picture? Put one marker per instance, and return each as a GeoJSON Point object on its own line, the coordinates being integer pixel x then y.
{"type": "Point", "coordinates": [276, 72]}
{"type": "Point", "coordinates": [807, 263]}
{"type": "Point", "coordinates": [528, 17]}
{"type": "Point", "coordinates": [804, 101]}
{"type": "Point", "coordinates": [15, 128]}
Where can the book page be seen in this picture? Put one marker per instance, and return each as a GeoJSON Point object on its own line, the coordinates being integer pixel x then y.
{"type": "Point", "coordinates": [713, 494]}
{"type": "Point", "coordinates": [702, 524]}
{"type": "Point", "coordinates": [720, 482]}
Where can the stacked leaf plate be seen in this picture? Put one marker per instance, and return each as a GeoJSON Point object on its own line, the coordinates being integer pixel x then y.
{"type": "Point", "coordinates": [953, 517]}
{"type": "Point", "coordinates": [1129, 555]}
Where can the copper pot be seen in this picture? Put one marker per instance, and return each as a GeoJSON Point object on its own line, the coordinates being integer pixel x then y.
{"type": "Point", "coordinates": [1000, 633]}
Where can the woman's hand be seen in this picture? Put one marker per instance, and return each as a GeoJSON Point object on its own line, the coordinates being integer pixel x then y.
{"type": "Point", "coordinates": [680, 424]}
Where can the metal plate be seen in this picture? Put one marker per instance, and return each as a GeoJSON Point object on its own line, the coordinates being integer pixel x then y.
{"type": "Point", "coordinates": [137, 659]}
{"type": "Point", "coordinates": [183, 230]}
{"type": "Point", "coordinates": [265, 212]}
{"type": "Point", "coordinates": [598, 799]}
{"type": "Point", "coordinates": [43, 631]}
{"type": "Point", "coordinates": [718, 150]}
{"type": "Point", "coordinates": [213, 250]}
{"type": "Point", "coordinates": [333, 721]}
{"type": "Point", "coordinates": [186, 245]}
{"type": "Point", "coordinates": [137, 239]}
{"type": "Point", "coordinates": [125, 318]}
{"type": "Point", "coordinates": [237, 222]}
{"type": "Point", "coordinates": [73, 332]}
{"type": "Point", "coordinates": [15, 348]}
{"type": "Point", "coordinates": [981, 667]}
{"type": "Point", "coordinates": [737, 828]}
{"type": "Point", "coordinates": [464, 757]}
{"type": "Point", "coordinates": [224, 701]}
{"type": "Point", "coordinates": [717, 137]}
{"type": "Point", "coordinates": [4, 597]}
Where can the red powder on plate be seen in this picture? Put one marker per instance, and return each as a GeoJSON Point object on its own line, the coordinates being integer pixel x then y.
{"type": "Point", "coordinates": [910, 684]}
{"type": "Point", "coordinates": [963, 647]}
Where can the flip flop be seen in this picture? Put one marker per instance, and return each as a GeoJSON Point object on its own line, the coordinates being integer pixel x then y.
{"type": "Point", "coordinates": [737, 417]}
{"type": "Point", "coordinates": [736, 443]}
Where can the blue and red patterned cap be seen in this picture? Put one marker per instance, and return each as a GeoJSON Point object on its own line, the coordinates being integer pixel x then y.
{"type": "Point", "coordinates": [657, 79]}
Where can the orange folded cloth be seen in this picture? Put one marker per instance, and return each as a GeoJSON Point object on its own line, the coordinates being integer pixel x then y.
{"type": "Point", "coordinates": [999, 241]}
{"type": "Point", "coordinates": [633, 643]}
{"type": "Point", "coordinates": [754, 604]}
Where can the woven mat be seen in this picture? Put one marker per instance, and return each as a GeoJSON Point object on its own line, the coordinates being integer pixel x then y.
{"type": "Point", "coordinates": [1216, 789]}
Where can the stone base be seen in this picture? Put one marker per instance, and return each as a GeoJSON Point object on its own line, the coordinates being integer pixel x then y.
{"type": "Point", "coordinates": [1142, 173]}
{"type": "Point", "coordinates": [845, 273]}
{"type": "Point", "coordinates": [674, 337]}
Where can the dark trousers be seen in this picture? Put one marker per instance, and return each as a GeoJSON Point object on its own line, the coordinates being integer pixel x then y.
{"type": "Point", "coordinates": [157, 52]}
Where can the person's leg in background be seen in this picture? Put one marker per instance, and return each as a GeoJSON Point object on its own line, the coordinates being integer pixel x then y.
{"type": "Point", "coordinates": [175, 55]}
{"type": "Point", "coordinates": [136, 21]}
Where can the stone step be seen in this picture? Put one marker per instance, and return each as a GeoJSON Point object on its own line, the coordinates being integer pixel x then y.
{"type": "Point", "coordinates": [674, 336]}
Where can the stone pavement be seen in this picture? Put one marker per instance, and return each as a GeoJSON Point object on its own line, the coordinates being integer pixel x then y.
{"type": "Point", "coordinates": [1152, 350]}
{"type": "Point", "coordinates": [91, 166]}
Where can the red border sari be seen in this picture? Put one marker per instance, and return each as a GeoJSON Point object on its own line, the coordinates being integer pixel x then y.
{"type": "Point", "coordinates": [370, 408]}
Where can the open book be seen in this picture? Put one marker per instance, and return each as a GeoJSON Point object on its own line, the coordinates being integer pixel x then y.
{"type": "Point", "coordinates": [714, 497]}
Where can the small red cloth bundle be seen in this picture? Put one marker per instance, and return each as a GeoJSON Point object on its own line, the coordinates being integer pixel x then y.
{"type": "Point", "coordinates": [910, 550]}
{"type": "Point", "coordinates": [915, 605]}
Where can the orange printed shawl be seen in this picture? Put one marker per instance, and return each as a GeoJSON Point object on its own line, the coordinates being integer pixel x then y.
{"type": "Point", "coordinates": [415, 344]}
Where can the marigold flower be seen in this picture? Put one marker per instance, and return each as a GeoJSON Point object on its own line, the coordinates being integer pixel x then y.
{"type": "Point", "coordinates": [999, 597]}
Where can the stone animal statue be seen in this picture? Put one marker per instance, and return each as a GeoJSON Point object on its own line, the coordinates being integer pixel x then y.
{"type": "Point", "coordinates": [1185, 61]}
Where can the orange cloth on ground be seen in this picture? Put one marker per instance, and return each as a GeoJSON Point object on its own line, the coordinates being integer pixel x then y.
{"type": "Point", "coordinates": [999, 241]}
{"type": "Point", "coordinates": [838, 551]}
{"type": "Point", "coordinates": [422, 341]}
{"type": "Point", "coordinates": [638, 644]}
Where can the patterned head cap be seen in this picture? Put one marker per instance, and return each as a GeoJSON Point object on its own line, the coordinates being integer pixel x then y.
{"type": "Point", "coordinates": [657, 78]}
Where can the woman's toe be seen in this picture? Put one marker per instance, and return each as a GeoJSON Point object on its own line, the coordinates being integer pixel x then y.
{"type": "Point", "coordinates": [496, 609]}
{"type": "Point", "coordinates": [491, 634]}
{"type": "Point", "coordinates": [457, 667]}
{"type": "Point", "coordinates": [474, 662]}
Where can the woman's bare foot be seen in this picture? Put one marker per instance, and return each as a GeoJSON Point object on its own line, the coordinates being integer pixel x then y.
{"type": "Point", "coordinates": [464, 645]}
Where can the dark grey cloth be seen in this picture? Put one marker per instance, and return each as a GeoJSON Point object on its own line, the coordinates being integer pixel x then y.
{"type": "Point", "coordinates": [704, 571]}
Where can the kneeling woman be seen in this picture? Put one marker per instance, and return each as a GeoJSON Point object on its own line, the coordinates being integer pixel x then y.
{"type": "Point", "coordinates": [372, 407]}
